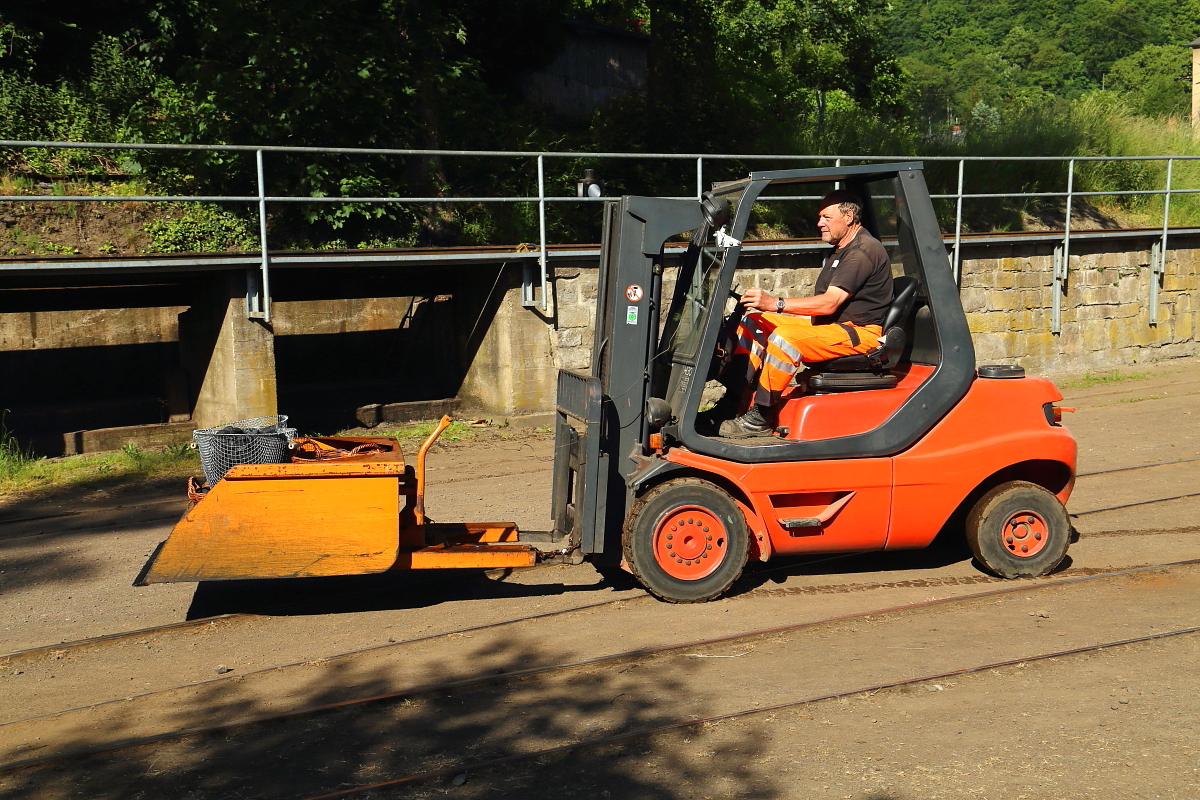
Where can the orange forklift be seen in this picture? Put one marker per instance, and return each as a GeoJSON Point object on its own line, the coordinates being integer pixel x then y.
{"type": "Point", "coordinates": [872, 452]}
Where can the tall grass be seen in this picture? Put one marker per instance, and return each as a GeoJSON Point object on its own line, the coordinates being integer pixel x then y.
{"type": "Point", "coordinates": [14, 458]}
{"type": "Point", "coordinates": [1094, 125]}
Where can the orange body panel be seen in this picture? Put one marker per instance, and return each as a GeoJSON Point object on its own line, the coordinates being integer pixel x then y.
{"type": "Point", "coordinates": [901, 501]}
{"type": "Point", "coordinates": [828, 416]}
{"type": "Point", "coordinates": [998, 423]}
{"type": "Point", "coordinates": [803, 489]}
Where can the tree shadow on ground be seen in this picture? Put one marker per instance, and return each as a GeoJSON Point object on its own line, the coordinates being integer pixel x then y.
{"type": "Point", "coordinates": [448, 729]}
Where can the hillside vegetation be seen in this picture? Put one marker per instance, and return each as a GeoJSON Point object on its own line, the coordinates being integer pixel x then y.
{"type": "Point", "coordinates": [950, 77]}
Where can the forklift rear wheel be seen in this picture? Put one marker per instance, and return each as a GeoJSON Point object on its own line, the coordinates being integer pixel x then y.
{"type": "Point", "coordinates": [686, 541]}
{"type": "Point", "coordinates": [1019, 530]}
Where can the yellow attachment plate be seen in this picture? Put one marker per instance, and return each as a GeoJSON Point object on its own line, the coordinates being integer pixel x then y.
{"type": "Point", "coordinates": [283, 527]}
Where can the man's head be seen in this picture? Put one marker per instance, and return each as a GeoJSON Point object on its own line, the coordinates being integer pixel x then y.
{"type": "Point", "coordinates": [839, 216]}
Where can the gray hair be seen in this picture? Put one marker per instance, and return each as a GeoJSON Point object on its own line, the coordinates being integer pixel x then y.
{"type": "Point", "coordinates": [845, 201]}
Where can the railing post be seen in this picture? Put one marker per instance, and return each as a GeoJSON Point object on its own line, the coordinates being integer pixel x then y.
{"type": "Point", "coordinates": [700, 177]}
{"type": "Point", "coordinates": [1056, 289]}
{"type": "Point", "coordinates": [1062, 268]}
{"type": "Point", "coordinates": [1158, 261]}
{"type": "Point", "coordinates": [527, 293]}
{"type": "Point", "coordinates": [542, 257]}
{"type": "Point", "coordinates": [258, 283]}
{"type": "Point", "coordinates": [958, 225]}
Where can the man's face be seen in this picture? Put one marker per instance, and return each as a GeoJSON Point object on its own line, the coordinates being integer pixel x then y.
{"type": "Point", "coordinates": [833, 223]}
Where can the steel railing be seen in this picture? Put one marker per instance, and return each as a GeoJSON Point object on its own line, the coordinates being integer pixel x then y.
{"type": "Point", "coordinates": [258, 303]}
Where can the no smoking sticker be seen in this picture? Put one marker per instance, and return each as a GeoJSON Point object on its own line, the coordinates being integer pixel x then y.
{"type": "Point", "coordinates": [633, 293]}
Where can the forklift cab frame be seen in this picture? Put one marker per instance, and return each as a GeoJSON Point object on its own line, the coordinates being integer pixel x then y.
{"type": "Point", "coordinates": [628, 428]}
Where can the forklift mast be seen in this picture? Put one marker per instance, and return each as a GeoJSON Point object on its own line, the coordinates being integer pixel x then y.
{"type": "Point", "coordinates": [592, 465]}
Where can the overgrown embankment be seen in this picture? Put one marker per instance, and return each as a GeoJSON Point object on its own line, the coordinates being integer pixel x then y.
{"type": "Point", "coordinates": [43, 227]}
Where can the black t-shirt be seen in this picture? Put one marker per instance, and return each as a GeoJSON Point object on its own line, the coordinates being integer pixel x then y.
{"type": "Point", "coordinates": [860, 267]}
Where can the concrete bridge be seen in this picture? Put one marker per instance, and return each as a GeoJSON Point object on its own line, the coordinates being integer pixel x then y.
{"type": "Point", "coordinates": [97, 352]}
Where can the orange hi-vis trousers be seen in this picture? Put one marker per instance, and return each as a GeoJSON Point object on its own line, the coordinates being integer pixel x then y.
{"type": "Point", "coordinates": [778, 343]}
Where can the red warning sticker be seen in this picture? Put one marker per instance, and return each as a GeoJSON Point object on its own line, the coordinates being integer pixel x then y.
{"type": "Point", "coordinates": [633, 292]}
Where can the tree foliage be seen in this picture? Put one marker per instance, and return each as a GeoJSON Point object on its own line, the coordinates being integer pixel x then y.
{"type": "Point", "coordinates": [749, 75]}
{"type": "Point", "coordinates": [1013, 56]}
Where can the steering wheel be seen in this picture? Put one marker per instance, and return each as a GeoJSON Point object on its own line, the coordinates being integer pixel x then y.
{"type": "Point", "coordinates": [727, 339]}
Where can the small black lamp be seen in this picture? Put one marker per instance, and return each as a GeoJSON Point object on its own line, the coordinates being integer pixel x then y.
{"type": "Point", "coordinates": [589, 185]}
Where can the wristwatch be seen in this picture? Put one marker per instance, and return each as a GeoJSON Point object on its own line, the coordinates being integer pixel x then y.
{"type": "Point", "coordinates": [779, 305]}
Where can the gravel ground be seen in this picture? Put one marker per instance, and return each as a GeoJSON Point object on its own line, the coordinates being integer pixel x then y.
{"type": "Point", "coordinates": [1113, 724]}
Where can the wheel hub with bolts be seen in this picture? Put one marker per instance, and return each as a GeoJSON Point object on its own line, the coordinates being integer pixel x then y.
{"type": "Point", "coordinates": [689, 543]}
{"type": "Point", "coordinates": [1025, 534]}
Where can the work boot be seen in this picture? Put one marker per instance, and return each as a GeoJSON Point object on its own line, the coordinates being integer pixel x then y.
{"type": "Point", "coordinates": [725, 409]}
{"type": "Point", "coordinates": [752, 423]}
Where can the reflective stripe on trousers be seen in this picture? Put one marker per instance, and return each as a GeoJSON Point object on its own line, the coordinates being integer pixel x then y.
{"type": "Point", "coordinates": [778, 343]}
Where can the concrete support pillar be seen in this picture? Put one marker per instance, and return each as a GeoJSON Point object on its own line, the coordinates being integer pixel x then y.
{"type": "Point", "coordinates": [231, 358]}
{"type": "Point", "coordinates": [513, 371]}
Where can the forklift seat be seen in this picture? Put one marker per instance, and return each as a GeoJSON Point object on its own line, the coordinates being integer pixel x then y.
{"type": "Point", "coordinates": [869, 370]}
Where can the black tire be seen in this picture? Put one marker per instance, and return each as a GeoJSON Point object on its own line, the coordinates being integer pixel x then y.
{"type": "Point", "coordinates": [1018, 530]}
{"type": "Point", "coordinates": [686, 541]}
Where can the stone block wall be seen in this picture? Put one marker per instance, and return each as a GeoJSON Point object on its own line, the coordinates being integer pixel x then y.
{"type": "Point", "coordinates": [1006, 293]}
{"type": "Point", "coordinates": [81, 358]}
{"type": "Point", "coordinates": [1105, 321]}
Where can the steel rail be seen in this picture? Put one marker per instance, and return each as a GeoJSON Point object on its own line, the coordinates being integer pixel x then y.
{"type": "Point", "coordinates": [1139, 466]}
{"type": "Point", "coordinates": [469, 255]}
{"type": "Point", "coordinates": [459, 769]}
{"type": "Point", "coordinates": [1024, 586]}
{"type": "Point", "coordinates": [1134, 505]}
{"type": "Point", "coordinates": [81, 643]}
{"type": "Point", "coordinates": [151, 631]}
{"type": "Point", "coordinates": [115, 637]}
{"type": "Point", "coordinates": [78, 644]}
{"type": "Point", "coordinates": [288, 198]}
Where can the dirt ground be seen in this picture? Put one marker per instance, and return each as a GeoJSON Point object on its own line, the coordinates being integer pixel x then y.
{"type": "Point", "coordinates": [1116, 723]}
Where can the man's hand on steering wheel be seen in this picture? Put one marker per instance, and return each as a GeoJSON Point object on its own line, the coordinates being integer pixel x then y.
{"type": "Point", "coordinates": [755, 299]}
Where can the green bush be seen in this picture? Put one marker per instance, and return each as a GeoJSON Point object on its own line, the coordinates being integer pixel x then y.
{"type": "Point", "coordinates": [199, 227]}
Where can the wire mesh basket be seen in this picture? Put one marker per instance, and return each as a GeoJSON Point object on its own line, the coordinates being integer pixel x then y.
{"type": "Point", "coordinates": [260, 440]}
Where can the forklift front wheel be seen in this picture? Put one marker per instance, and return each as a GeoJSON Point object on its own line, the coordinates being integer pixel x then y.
{"type": "Point", "coordinates": [1019, 530]}
{"type": "Point", "coordinates": [686, 541]}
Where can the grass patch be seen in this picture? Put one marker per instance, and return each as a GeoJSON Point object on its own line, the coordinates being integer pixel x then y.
{"type": "Point", "coordinates": [13, 458]}
{"type": "Point", "coordinates": [23, 472]}
{"type": "Point", "coordinates": [1101, 378]}
{"type": "Point", "coordinates": [456, 432]}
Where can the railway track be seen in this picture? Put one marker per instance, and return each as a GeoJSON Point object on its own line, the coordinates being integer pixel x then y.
{"type": "Point", "coordinates": [439, 580]}
{"type": "Point", "coordinates": [697, 648]}
{"type": "Point", "coordinates": [355, 713]}
{"type": "Point", "coordinates": [465, 768]}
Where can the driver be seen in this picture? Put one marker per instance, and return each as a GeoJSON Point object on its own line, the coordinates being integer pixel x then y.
{"type": "Point", "coordinates": [844, 316]}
